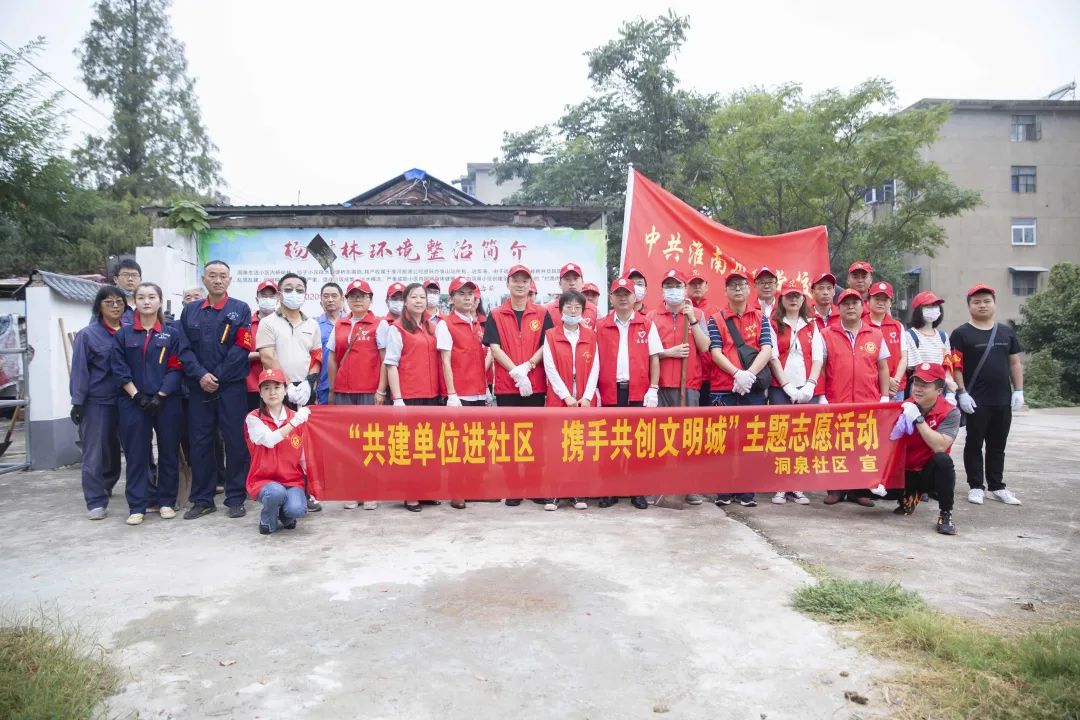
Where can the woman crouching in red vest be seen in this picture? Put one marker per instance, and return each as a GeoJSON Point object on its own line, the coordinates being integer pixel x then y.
{"type": "Point", "coordinates": [571, 365]}
{"type": "Point", "coordinates": [412, 362]}
{"type": "Point", "coordinates": [276, 477]}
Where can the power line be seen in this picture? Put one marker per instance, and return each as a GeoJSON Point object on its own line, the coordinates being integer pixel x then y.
{"type": "Point", "coordinates": [62, 86]}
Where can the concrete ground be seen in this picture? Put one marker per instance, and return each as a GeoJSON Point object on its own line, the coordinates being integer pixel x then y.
{"type": "Point", "coordinates": [513, 612]}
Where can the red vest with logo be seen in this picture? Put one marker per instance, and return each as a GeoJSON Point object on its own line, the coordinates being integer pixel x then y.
{"type": "Point", "coordinates": [575, 370]}
{"type": "Point", "coordinates": [519, 344]}
{"type": "Point", "coordinates": [917, 452]}
{"type": "Point", "coordinates": [782, 341]}
{"type": "Point", "coordinates": [749, 324]}
{"type": "Point", "coordinates": [851, 374]}
{"type": "Point", "coordinates": [893, 333]}
{"type": "Point", "coordinates": [467, 355]}
{"type": "Point", "coordinates": [418, 368]}
{"type": "Point", "coordinates": [280, 464]}
{"type": "Point", "coordinates": [588, 315]}
{"type": "Point", "coordinates": [358, 369]}
{"type": "Point", "coordinates": [637, 349]}
{"type": "Point", "coordinates": [671, 331]}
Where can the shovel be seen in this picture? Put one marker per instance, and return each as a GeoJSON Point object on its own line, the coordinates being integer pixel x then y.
{"type": "Point", "coordinates": [678, 502]}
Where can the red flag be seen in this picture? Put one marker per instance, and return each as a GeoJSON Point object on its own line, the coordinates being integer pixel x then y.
{"type": "Point", "coordinates": [661, 232]}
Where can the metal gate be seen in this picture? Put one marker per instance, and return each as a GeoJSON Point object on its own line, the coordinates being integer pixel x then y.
{"type": "Point", "coordinates": [22, 400]}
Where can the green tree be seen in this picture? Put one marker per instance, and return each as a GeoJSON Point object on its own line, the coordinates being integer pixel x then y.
{"type": "Point", "coordinates": [1051, 322]}
{"type": "Point", "coordinates": [156, 144]}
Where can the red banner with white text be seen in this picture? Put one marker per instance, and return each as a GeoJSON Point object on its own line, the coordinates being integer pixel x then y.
{"type": "Point", "coordinates": [394, 453]}
{"type": "Point", "coordinates": [661, 232]}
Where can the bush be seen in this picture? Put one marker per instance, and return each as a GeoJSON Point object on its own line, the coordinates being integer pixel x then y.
{"type": "Point", "coordinates": [1043, 380]}
{"type": "Point", "coordinates": [1051, 322]}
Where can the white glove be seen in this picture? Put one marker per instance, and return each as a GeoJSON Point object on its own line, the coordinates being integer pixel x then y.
{"type": "Point", "coordinates": [806, 393]}
{"type": "Point", "coordinates": [298, 393]}
{"type": "Point", "coordinates": [301, 416]}
{"type": "Point", "coordinates": [885, 398]}
{"type": "Point", "coordinates": [950, 397]}
{"type": "Point", "coordinates": [823, 401]}
{"type": "Point", "coordinates": [652, 397]}
{"type": "Point", "coordinates": [744, 379]}
{"type": "Point", "coordinates": [525, 387]}
{"type": "Point", "coordinates": [453, 401]}
{"type": "Point", "coordinates": [911, 410]}
{"type": "Point", "coordinates": [966, 402]}
{"type": "Point", "coordinates": [399, 403]}
{"type": "Point", "coordinates": [880, 490]}
{"type": "Point", "coordinates": [791, 391]}
{"type": "Point", "coordinates": [1017, 399]}
{"type": "Point", "coordinates": [520, 372]}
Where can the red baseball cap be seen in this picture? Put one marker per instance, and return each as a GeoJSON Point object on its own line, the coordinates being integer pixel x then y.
{"type": "Point", "coordinates": [570, 268]}
{"type": "Point", "coordinates": [735, 274]}
{"type": "Point", "coordinates": [791, 286]}
{"type": "Point", "coordinates": [860, 265]}
{"type": "Point", "coordinates": [266, 284]}
{"type": "Point", "coordinates": [518, 269]}
{"type": "Point", "coordinates": [981, 288]}
{"type": "Point", "coordinates": [395, 287]}
{"type": "Point", "coordinates": [674, 274]}
{"type": "Point", "coordinates": [926, 297]}
{"type": "Point", "coordinates": [460, 282]}
{"type": "Point", "coordinates": [590, 287]}
{"type": "Point", "coordinates": [634, 271]}
{"type": "Point", "coordinates": [431, 281]}
{"type": "Point", "coordinates": [360, 285]}
{"type": "Point", "coordinates": [823, 277]}
{"type": "Point", "coordinates": [695, 276]}
{"type": "Point", "coordinates": [272, 375]}
{"type": "Point", "coordinates": [882, 288]}
{"type": "Point", "coordinates": [929, 372]}
{"type": "Point", "coordinates": [532, 286]}
{"type": "Point", "coordinates": [763, 270]}
{"type": "Point", "coordinates": [622, 284]}
{"type": "Point", "coordinates": [849, 293]}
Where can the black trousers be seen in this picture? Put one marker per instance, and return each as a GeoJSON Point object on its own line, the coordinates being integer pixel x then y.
{"type": "Point", "coordinates": [537, 399]}
{"type": "Point", "coordinates": [622, 397]}
{"type": "Point", "coordinates": [989, 426]}
{"type": "Point", "coordinates": [474, 403]}
{"type": "Point", "coordinates": [938, 475]}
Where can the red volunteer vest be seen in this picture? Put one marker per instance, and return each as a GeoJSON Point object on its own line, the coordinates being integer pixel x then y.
{"type": "Point", "coordinates": [280, 464]}
{"type": "Point", "coordinates": [418, 368]}
{"type": "Point", "coordinates": [519, 344]}
{"type": "Point", "coordinates": [749, 324]}
{"type": "Point", "coordinates": [588, 315]}
{"type": "Point", "coordinates": [255, 367]}
{"type": "Point", "coordinates": [358, 369]}
{"type": "Point", "coordinates": [637, 347]}
{"type": "Point", "coordinates": [917, 452]}
{"type": "Point", "coordinates": [782, 340]}
{"type": "Point", "coordinates": [573, 376]}
{"type": "Point", "coordinates": [893, 333]}
{"type": "Point", "coordinates": [670, 330]}
{"type": "Point", "coordinates": [467, 355]}
{"type": "Point", "coordinates": [851, 374]}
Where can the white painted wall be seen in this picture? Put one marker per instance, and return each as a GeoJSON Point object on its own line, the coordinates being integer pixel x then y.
{"type": "Point", "coordinates": [49, 376]}
{"type": "Point", "coordinates": [171, 263]}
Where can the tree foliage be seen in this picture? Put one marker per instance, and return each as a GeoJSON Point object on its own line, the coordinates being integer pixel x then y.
{"type": "Point", "coordinates": [156, 144]}
{"type": "Point", "coordinates": [1051, 322]}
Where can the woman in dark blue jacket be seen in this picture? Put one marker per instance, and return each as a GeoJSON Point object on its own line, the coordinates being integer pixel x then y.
{"type": "Point", "coordinates": [146, 367]}
{"type": "Point", "coordinates": [93, 400]}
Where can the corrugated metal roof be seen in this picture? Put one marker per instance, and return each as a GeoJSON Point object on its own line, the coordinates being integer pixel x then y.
{"type": "Point", "coordinates": [71, 287]}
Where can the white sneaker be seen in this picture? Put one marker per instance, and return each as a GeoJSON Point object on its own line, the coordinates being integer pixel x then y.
{"type": "Point", "coordinates": [371, 505]}
{"type": "Point", "coordinates": [135, 519]}
{"type": "Point", "coordinates": [97, 513]}
{"type": "Point", "coordinates": [779, 498]}
{"type": "Point", "coordinates": [975, 495]}
{"type": "Point", "coordinates": [695, 499]}
{"type": "Point", "coordinates": [167, 513]}
{"type": "Point", "coordinates": [800, 498]}
{"type": "Point", "coordinates": [580, 505]}
{"type": "Point", "coordinates": [552, 505]}
{"type": "Point", "coordinates": [352, 505]}
{"type": "Point", "coordinates": [1004, 495]}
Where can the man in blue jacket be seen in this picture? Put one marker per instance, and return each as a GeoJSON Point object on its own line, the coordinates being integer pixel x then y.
{"type": "Point", "coordinates": [217, 339]}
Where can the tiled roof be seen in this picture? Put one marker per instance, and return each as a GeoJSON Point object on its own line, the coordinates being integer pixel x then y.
{"type": "Point", "coordinates": [69, 286]}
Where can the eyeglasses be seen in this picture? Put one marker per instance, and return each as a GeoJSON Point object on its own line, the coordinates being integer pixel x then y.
{"type": "Point", "coordinates": [739, 286]}
{"type": "Point", "coordinates": [113, 302]}
{"type": "Point", "coordinates": [766, 283]}
{"type": "Point", "coordinates": [129, 275]}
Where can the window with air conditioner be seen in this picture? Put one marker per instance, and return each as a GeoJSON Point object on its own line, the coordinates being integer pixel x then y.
{"type": "Point", "coordinates": [1025, 128]}
{"type": "Point", "coordinates": [1024, 283]}
{"type": "Point", "coordinates": [1023, 231]}
{"type": "Point", "coordinates": [1023, 178]}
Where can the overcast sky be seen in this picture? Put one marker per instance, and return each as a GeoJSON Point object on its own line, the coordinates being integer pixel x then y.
{"type": "Point", "coordinates": [327, 99]}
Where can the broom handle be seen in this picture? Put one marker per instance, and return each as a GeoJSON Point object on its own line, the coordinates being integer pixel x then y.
{"type": "Point", "coordinates": [682, 370]}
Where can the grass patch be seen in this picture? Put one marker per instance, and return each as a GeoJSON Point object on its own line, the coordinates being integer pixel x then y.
{"type": "Point", "coordinates": [960, 670]}
{"type": "Point", "coordinates": [49, 670]}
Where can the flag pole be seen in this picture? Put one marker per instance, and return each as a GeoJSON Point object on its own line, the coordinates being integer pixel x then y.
{"type": "Point", "coordinates": [626, 216]}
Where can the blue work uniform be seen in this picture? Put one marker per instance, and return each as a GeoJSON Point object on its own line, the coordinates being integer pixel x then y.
{"type": "Point", "coordinates": [326, 329]}
{"type": "Point", "coordinates": [149, 358]}
{"type": "Point", "coordinates": [128, 316]}
{"type": "Point", "coordinates": [217, 340]}
{"type": "Point", "coordinates": [93, 387]}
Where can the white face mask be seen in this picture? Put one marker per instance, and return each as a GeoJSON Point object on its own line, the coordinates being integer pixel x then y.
{"type": "Point", "coordinates": [931, 314]}
{"type": "Point", "coordinates": [292, 299]}
{"type": "Point", "coordinates": [571, 320]}
{"type": "Point", "coordinates": [396, 306]}
{"type": "Point", "coordinates": [268, 304]}
{"type": "Point", "coordinates": [639, 292]}
{"type": "Point", "coordinates": [674, 296]}
{"type": "Point", "coordinates": [433, 299]}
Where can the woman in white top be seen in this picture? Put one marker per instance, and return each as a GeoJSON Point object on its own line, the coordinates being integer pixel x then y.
{"type": "Point", "coordinates": [924, 342]}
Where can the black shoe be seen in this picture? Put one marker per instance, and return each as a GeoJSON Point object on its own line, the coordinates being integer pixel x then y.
{"type": "Point", "coordinates": [197, 511]}
{"type": "Point", "coordinates": [606, 502]}
{"type": "Point", "coordinates": [237, 511]}
{"type": "Point", "coordinates": [264, 529]}
{"type": "Point", "coordinates": [513, 502]}
{"type": "Point", "coordinates": [286, 522]}
{"type": "Point", "coordinates": [944, 523]}
{"type": "Point", "coordinates": [907, 505]}
{"type": "Point", "coordinates": [414, 508]}
{"type": "Point", "coordinates": [723, 501]}
{"type": "Point", "coordinates": [431, 502]}
{"type": "Point", "coordinates": [313, 505]}
{"type": "Point", "coordinates": [639, 502]}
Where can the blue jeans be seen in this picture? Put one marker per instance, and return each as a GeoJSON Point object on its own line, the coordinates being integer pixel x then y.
{"type": "Point", "coordinates": [101, 452]}
{"type": "Point", "coordinates": [275, 498]}
{"type": "Point", "coordinates": [731, 399]}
